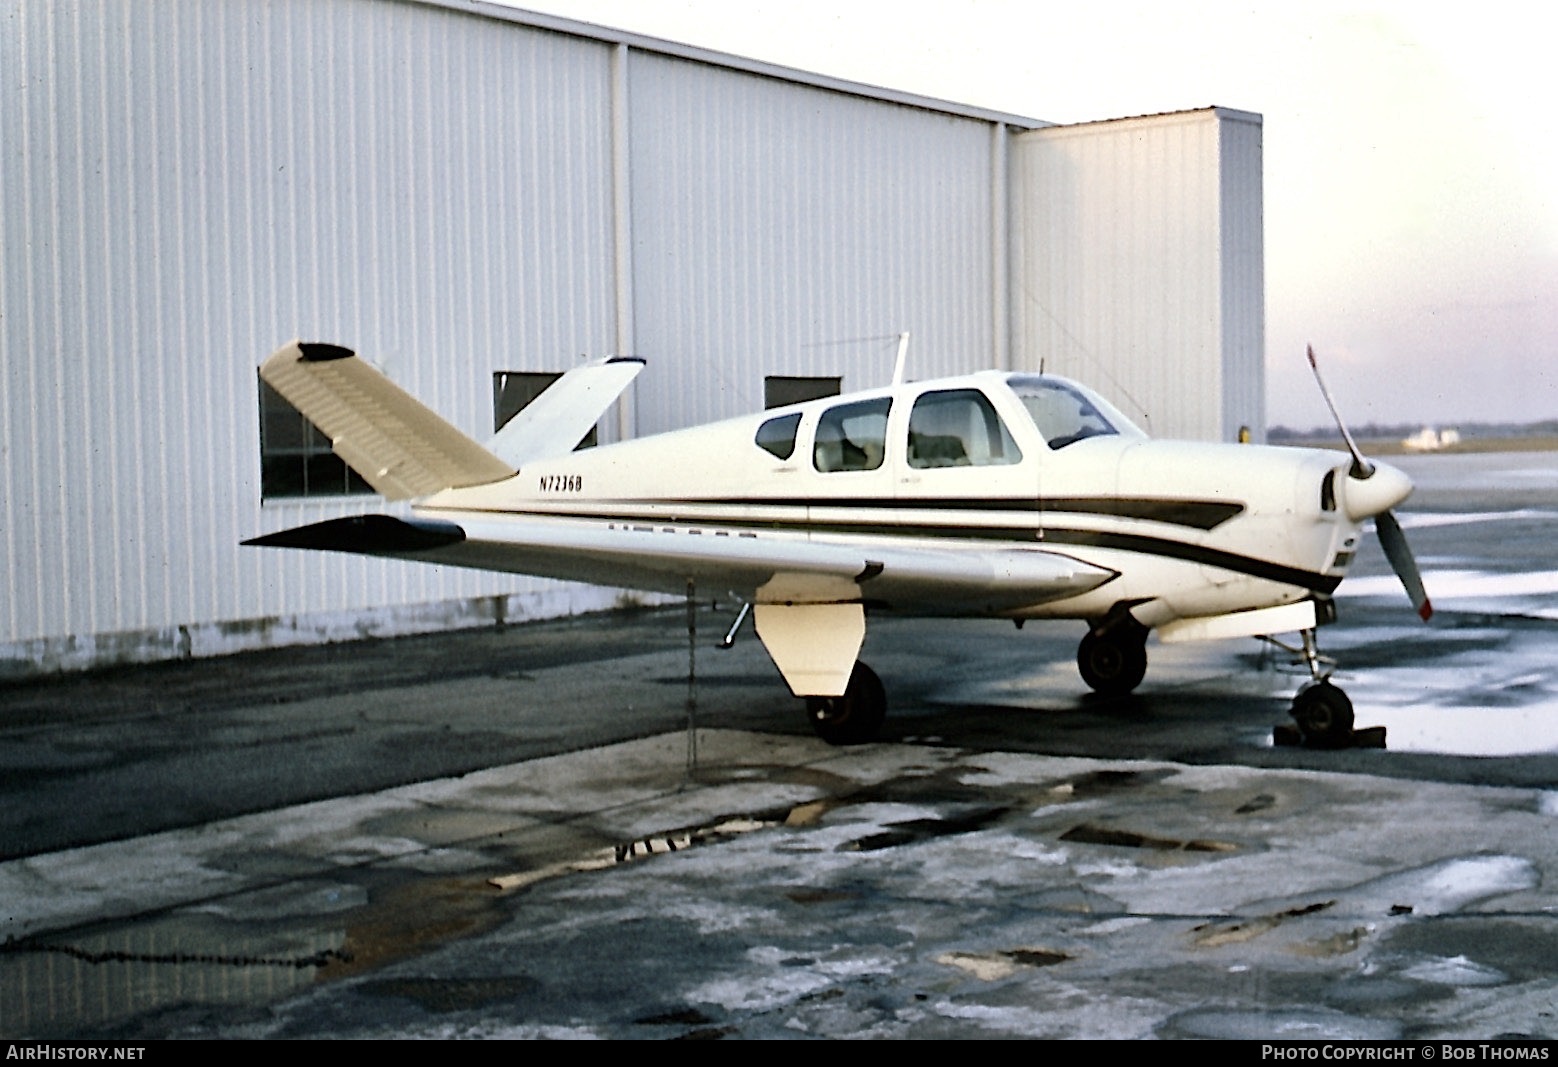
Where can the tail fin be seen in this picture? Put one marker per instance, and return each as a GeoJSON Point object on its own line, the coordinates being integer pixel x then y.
{"type": "Point", "coordinates": [558, 419]}
{"type": "Point", "coordinates": [400, 446]}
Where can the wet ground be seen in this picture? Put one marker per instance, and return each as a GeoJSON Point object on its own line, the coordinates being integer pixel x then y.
{"type": "Point", "coordinates": [510, 834]}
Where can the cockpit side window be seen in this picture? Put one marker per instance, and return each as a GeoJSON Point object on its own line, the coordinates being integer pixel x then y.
{"type": "Point", "coordinates": [958, 428]}
{"type": "Point", "coordinates": [777, 436]}
{"type": "Point", "coordinates": [852, 437]}
{"type": "Point", "coordinates": [1063, 415]}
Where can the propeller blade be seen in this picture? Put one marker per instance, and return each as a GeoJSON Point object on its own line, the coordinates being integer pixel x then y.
{"type": "Point", "coordinates": [1394, 542]}
{"type": "Point", "coordinates": [1362, 503]}
{"type": "Point", "coordinates": [1361, 468]}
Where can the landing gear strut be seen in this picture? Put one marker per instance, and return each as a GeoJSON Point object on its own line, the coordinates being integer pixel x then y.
{"type": "Point", "coordinates": [855, 717]}
{"type": "Point", "coordinates": [1113, 661]}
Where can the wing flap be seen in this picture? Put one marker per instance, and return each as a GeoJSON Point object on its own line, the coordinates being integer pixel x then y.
{"type": "Point", "coordinates": [400, 446]}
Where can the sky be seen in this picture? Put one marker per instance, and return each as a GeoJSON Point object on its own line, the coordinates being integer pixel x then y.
{"type": "Point", "coordinates": [1411, 157]}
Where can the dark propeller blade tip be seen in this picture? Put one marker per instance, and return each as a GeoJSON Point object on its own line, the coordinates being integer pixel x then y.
{"type": "Point", "coordinates": [1394, 542]}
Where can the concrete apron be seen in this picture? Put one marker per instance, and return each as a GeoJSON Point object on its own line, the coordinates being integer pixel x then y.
{"type": "Point", "coordinates": [785, 887]}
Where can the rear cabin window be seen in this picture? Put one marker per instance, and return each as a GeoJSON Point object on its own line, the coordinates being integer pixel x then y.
{"type": "Point", "coordinates": [852, 437]}
{"type": "Point", "coordinates": [777, 436]}
{"type": "Point", "coordinates": [958, 428]}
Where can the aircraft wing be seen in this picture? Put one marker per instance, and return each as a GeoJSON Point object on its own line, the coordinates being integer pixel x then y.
{"type": "Point", "coordinates": [762, 569]}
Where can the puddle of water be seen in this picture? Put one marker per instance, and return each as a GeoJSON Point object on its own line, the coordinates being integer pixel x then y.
{"type": "Point", "coordinates": [442, 995]}
{"type": "Point", "coordinates": [1089, 834]}
{"type": "Point", "coordinates": [643, 847]}
{"type": "Point", "coordinates": [65, 986]}
{"type": "Point", "coordinates": [1298, 1025]}
{"type": "Point", "coordinates": [913, 831]}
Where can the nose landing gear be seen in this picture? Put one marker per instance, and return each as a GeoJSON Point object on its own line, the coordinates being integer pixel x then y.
{"type": "Point", "coordinates": [1324, 715]}
{"type": "Point", "coordinates": [1322, 712]}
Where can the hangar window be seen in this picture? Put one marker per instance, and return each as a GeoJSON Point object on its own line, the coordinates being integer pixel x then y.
{"type": "Point", "coordinates": [514, 390]}
{"type": "Point", "coordinates": [777, 436]}
{"type": "Point", "coordinates": [295, 458]}
{"type": "Point", "coordinates": [852, 437]}
{"type": "Point", "coordinates": [959, 428]}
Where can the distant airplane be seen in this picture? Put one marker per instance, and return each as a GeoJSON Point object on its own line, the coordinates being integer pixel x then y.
{"type": "Point", "coordinates": [1007, 495]}
{"type": "Point", "coordinates": [1430, 440]}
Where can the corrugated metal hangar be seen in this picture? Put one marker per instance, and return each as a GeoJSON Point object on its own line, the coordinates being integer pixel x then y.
{"type": "Point", "coordinates": [473, 197]}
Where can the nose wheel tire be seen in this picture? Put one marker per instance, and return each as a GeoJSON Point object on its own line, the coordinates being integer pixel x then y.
{"type": "Point", "coordinates": [1324, 715]}
{"type": "Point", "coordinates": [1113, 663]}
{"type": "Point", "coordinates": [854, 718]}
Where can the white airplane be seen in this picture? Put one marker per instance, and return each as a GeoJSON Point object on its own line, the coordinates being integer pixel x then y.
{"type": "Point", "coordinates": [1007, 495]}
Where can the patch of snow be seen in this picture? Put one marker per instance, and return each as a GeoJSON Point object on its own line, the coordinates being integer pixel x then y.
{"type": "Point", "coordinates": [1447, 886]}
{"type": "Point", "coordinates": [1448, 585]}
{"type": "Point", "coordinates": [1454, 971]}
{"type": "Point", "coordinates": [1427, 520]}
{"type": "Point", "coordinates": [1112, 926]}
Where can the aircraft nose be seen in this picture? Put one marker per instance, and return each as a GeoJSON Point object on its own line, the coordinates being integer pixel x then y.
{"type": "Point", "coordinates": [1379, 492]}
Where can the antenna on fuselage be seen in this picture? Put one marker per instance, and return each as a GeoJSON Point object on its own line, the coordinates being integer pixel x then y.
{"type": "Point", "coordinates": [903, 355]}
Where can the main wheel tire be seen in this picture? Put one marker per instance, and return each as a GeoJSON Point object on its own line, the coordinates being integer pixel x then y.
{"type": "Point", "coordinates": [854, 718]}
{"type": "Point", "coordinates": [1324, 715]}
{"type": "Point", "coordinates": [1115, 662]}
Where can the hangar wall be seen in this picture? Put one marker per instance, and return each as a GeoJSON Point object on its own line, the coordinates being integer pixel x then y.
{"type": "Point", "coordinates": [1141, 266]}
{"type": "Point", "coordinates": [189, 185]}
{"type": "Point", "coordinates": [802, 242]}
{"type": "Point", "coordinates": [453, 189]}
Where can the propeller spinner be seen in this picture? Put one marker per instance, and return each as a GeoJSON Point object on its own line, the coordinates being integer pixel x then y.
{"type": "Point", "coordinates": [1372, 490]}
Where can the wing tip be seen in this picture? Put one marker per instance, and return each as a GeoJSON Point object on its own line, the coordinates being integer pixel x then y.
{"type": "Point", "coordinates": [369, 535]}
{"type": "Point", "coordinates": [315, 352]}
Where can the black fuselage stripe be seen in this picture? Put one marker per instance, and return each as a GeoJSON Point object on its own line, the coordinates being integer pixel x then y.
{"type": "Point", "coordinates": [1211, 557]}
{"type": "Point", "coordinates": [1200, 514]}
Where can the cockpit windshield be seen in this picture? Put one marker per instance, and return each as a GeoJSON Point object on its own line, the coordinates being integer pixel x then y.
{"type": "Point", "coordinates": [1065, 414]}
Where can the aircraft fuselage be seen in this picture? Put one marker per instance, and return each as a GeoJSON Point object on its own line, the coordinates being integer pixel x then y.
{"type": "Point", "coordinates": [965, 465]}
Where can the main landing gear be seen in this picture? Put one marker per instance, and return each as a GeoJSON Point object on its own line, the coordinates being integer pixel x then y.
{"type": "Point", "coordinates": [855, 717]}
{"type": "Point", "coordinates": [1113, 658]}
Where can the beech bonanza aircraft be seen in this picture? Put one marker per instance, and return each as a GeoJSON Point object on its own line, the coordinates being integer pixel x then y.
{"type": "Point", "coordinates": [1008, 495]}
